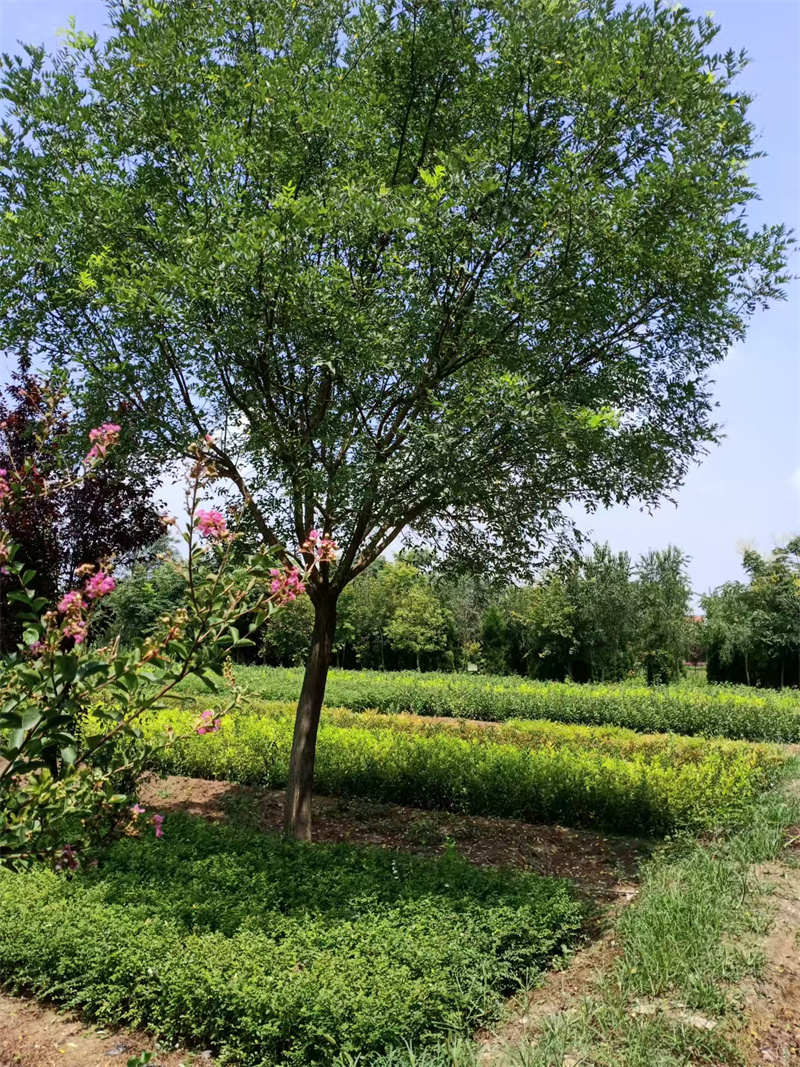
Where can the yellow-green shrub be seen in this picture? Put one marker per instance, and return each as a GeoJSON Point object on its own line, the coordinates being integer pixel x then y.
{"type": "Point", "coordinates": [530, 771]}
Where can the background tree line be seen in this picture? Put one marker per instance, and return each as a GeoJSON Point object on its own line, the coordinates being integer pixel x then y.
{"type": "Point", "coordinates": [752, 628]}
{"type": "Point", "coordinates": [600, 617]}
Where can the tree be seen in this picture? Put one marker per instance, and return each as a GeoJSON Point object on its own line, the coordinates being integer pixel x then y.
{"type": "Point", "coordinates": [663, 594]}
{"type": "Point", "coordinates": [418, 624]}
{"type": "Point", "coordinates": [434, 267]}
{"type": "Point", "coordinates": [729, 624]}
{"type": "Point", "coordinates": [153, 587]}
{"type": "Point", "coordinates": [604, 622]}
{"type": "Point", "coordinates": [494, 640]}
{"type": "Point", "coordinates": [540, 617]}
{"type": "Point", "coordinates": [774, 595]}
{"type": "Point", "coordinates": [67, 520]}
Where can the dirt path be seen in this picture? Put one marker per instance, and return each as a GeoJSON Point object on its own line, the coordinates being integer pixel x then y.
{"type": "Point", "coordinates": [768, 1027]}
{"type": "Point", "coordinates": [36, 1035]}
{"type": "Point", "coordinates": [772, 1004]}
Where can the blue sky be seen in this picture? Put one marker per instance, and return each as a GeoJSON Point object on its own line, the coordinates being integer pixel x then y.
{"type": "Point", "coordinates": [747, 491]}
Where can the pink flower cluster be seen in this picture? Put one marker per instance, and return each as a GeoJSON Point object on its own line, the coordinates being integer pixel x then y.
{"type": "Point", "coordinates": [5, 488]}
{"type": "Point", "coordinates": [322, 547]}
{"type": "Point", "coordinates": [100, 584]}
{"type": "Point", "coordinates": [211, 524]}
{"type": "Point", "coordinates": [286, 585]}
{"type": "Point", "coordinates": [157, 820]}
{"type": "Point", "coordinates": [207, 723]}
{"type": "Point", "coordinates": [73, 607]}
{"type": "Point", "coordinates": [102, 438]}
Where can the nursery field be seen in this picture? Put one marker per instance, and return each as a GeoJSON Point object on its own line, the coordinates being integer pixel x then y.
{"type": "Point", "coordinates": [534, 771]}
{"type": "Point", "coordinates": [708, 710]}
{"type": "Point", "coordinates": [387, 944]}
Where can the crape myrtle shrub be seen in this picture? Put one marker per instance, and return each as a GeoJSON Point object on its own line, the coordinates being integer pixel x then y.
{"type": "Point", "coordinates": [271, 952]}
{"type": "Point", "coordinates": [532, 771]}
{"type": "Point", "coordinates": [744, 714]}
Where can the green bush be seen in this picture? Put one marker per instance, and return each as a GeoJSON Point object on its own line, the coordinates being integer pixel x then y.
{"type": "Point", "coordinates": [724, 711]}
{"type": "Point", "coordinates": [272, 952]}
{"type": "Point", "coordinates": [537, 772]}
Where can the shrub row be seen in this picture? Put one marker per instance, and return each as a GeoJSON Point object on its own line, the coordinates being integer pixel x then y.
{"type": "Point", "coordinates": [558, 775]}
{"type": "Point", "coordinates": [275, 953]}
{"type": "Point", "coordinates": [735, 712]}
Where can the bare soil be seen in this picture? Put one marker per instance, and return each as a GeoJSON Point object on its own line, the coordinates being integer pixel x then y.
{"type": "Point", "coordinates": [772, 1004]}
{"type": "Point", "coordinates": [36, 1035]}
{"type": "Point", "coordinates": [602, 865]}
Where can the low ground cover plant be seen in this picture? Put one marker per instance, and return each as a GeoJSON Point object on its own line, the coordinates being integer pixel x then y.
{"type": "Point", "coordinates": [725, 711]}
{"type": "Point", "coordinates": [531, 771]}
{"type": "Point", "coordinates": [271, 952]}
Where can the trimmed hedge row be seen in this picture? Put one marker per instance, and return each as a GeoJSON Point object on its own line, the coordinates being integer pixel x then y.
{"type": "Point", "coordinates": [530, 771]}
{"type": "Point", "coordinates": [746, 714]}
{"type": "Point", "coordinates": [274, 953]}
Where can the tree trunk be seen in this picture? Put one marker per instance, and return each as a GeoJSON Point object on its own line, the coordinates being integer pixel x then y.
{"type": "Point", "coordinates": [747, 668]}
{"type": "Point", "coordinates": [297, 805]}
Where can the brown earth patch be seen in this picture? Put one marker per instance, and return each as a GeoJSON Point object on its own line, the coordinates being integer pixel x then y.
{"type": "Point", "coordinates": [772, 1003]}
{"type": "Point", "coordinates": [602, 865]}
{"type": "Point", "coordinates": [36, 1035]}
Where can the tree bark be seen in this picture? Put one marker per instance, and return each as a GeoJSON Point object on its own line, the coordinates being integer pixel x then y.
{"type": "Point", "coordinates": [297, 805]}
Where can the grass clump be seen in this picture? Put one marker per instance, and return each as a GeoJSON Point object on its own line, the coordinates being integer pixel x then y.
{"type": "Point", "coordinates": [737, 712]}
{"type": "Point", "coordinates": [530, 771]}
{"type": "Point", "coordinates": [276, 953]}
{"type": "Point", "coordinates": [689, 937]}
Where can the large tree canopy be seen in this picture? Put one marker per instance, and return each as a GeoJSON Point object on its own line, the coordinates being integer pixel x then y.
{"type": "Point", "coordinates": [422, 265]}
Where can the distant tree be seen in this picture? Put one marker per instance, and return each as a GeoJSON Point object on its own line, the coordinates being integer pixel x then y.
{"type": "Point", "coordinates": [729, 625]}
{"type": "Point", "coordinates": [418, 623]}
{"type": "Point", "coordinates": [698, 641]}
{"type": "Point", "coordinates": [464, 598]}
{"type": "Point", "coordinates": [439, 267]}
{"type": "Point", "coordinates": [494, 638]}
{"type": "Point", "coordinates": [152, 588]}
{"type": "Point", "coordinates": [286, 639]}
{"type": "Point", "coordinates": [602, 592]}
{"type": "Point", "coordinates": [663, 596]}
{"type": "Point", "coordinates": [540, 625]}
{"type": "Point", "coordinates": [774, 595]}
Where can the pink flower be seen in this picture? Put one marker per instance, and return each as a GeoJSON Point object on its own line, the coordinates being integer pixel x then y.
{"type": "Point", "coordinates": [320, 546]}
{"type": "Point", "coordinates": [72, 607]}
{"type": "Point", "coordinates": [102, 438]}
{"type": "Point", "coordinates": [70, 602]}
{"type": "Point", "coordinates": [207, 723]}
{"type": "Point", "coordinates": [77, 629]}
{"type": "Point", "coordinates": [137, 809]}
{"type": "Point", "coordinates": [99, 585]}
{"type": "Point", "coordinates": [286, 585]}
{"type": "Point", "coordinates": [158, 822]}
{"type": "Point", "coordinates": [211, 524]}
{"type": "Point", "coordinates": [5, 488]}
